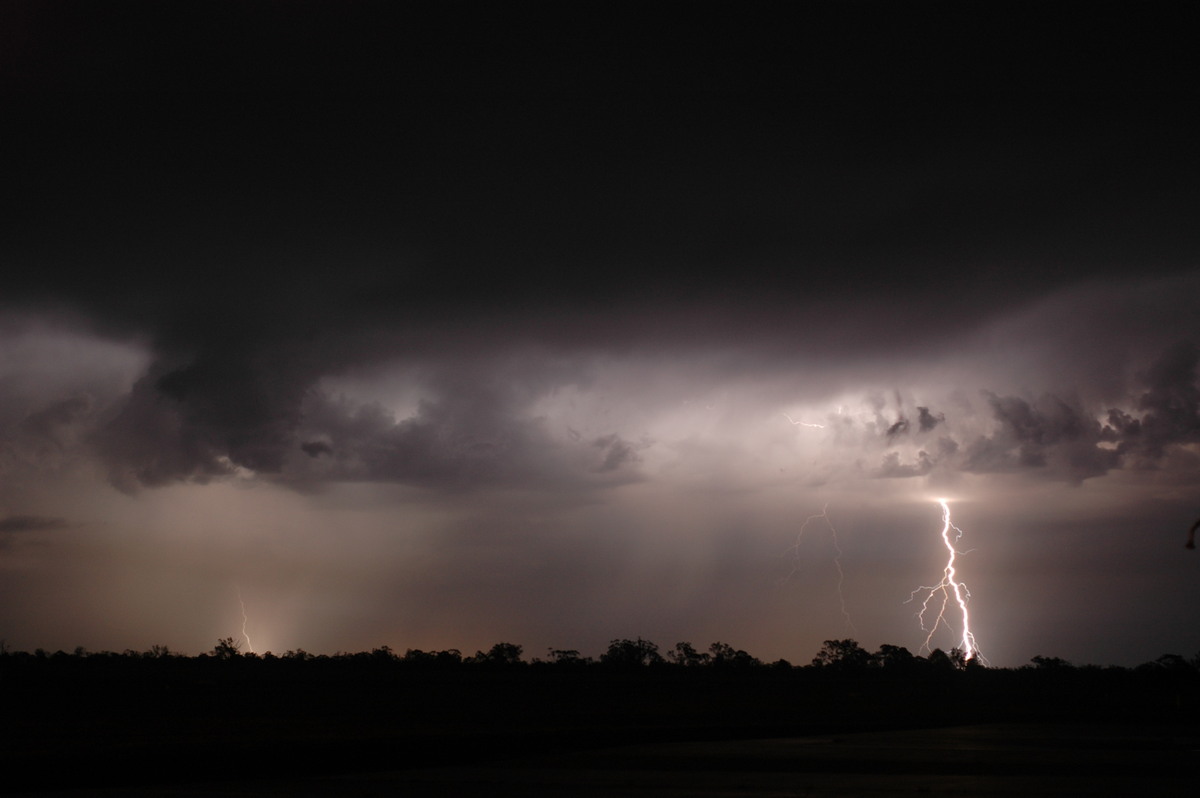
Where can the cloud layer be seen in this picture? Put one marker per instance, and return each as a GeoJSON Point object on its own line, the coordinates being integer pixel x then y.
{"type": "Point", "coordinates": [433, 371]}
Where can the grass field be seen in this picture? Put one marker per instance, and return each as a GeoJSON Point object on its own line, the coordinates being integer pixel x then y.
{"type": "Point", "coordinates": [986, 760]}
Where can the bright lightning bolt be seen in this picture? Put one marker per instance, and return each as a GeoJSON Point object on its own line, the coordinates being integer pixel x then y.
{"type": "Point", "coordinates": [245, 621]}
{"type": "Point", "coordinates": [803, 423]}
{"type": "Point", "coordinates": [947, 587]}
{"type": "Point", "coordinates": [837, 560]}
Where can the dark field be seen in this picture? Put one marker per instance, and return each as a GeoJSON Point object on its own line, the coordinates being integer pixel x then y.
{"type": "Point", "coordinates": [365, 727]}
{"type": "Point", "coordinates": [983, 760]}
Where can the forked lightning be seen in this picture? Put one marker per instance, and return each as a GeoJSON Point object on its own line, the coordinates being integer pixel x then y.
{"type": "Point", "coordinates": [949, 586]}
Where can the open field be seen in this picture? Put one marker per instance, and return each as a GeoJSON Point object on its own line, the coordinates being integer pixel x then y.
{"type": "Point", "coordinates": [984, 760]}
{"type": "Point", "coordinates": [129, 725]}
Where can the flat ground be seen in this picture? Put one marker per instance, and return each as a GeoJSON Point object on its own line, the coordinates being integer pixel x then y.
{"type": "Point", "coordinates": [1026, 760]}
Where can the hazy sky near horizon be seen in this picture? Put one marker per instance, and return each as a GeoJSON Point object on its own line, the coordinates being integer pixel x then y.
{"type": "Point", "coordinates": [440, 369]}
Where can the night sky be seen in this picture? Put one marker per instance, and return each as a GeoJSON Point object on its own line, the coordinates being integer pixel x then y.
{"type": "Point", "coordinates": [560, 336]}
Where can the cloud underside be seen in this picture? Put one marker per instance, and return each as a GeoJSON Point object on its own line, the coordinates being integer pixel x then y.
{"type": "Point", "coordinates": [1061, 438]}
{"type": "Point", "coordinates": [461, 438]}
{"type": "Point", "coordinates": [502, 256]}
{"type": "Point", "coordinates": [15, 527]}
{"type": "Point", "coordinates": [29, 523]}
{"type": "Point", "coordinates": [484, 424]}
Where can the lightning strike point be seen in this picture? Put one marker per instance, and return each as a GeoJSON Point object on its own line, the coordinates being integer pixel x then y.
{"type": "Point", "coordinates": [949, 587]}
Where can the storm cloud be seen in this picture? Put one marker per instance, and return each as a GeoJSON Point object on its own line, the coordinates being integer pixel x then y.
{"type": "Point", "coordinates": [15, 527]}
{"type": "Point", "coordinates": [27, 523]}
{"type": "Point", "coordinates": [1170, 406]}
{"type": "Point", "coordinates": [564, 363]}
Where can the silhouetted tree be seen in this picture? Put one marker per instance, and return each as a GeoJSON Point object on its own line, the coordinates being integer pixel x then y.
{"type": "Point", "coordinates": [1050, 663]}
{"type": "Point", "coordinates": [939, 660]}
{"type": "Point", "coordinates": [895, 658]}
{"type": "Point", "coordinates": [1173, 662]}
{"type": "Point", "coordinates": [631, 653]}
{"type": "Point", "coordinates": [566, 657]}
{"type": "Point", "coordinates": [448, 658]}
{"type": "Point", "coordinates": [726, 656]}
{"type": "Point", "coordinates": [499, 654]}
{"type": "Point", "coordinates": [435, 659]}
{"type": "Point", "coordinates": [843, 655]}
{"type": "Point", "coordinates": [383, 654]}
{"type": "Point", "coordinates": [415, 656]}
{"type": "Point", "coordinates": [227, 648]}
{"type": "Point", "coordinates": [686, 655]}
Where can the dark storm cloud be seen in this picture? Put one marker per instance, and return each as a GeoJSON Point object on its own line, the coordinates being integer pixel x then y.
{"type": "Point", "coordinates": [927, 420]}
{"type": "Point", "coordinates": [1048, 434]}
{"type": "Point", "coordinates": [456, 315]}
{"type": "Point", "coordinates": [1061, 437]}
{"type": "Point", "coordinates": [893, 468]}
{"type": "Point", "coordinates": [15, 526]}
{"type": "Point", "coordinates": [199, 210]}
{"type": "Point", "coordinates": [260, 246]}
{"type": "Point", "coordinates": [427, 47]}
{"type": "Point", "coordinates": [467, 433]}
{"type": "Point", "coordinates": [617, 452]}
{"type": "Point", "coordinates": [233, 403]}
{"type": "Point", "coordinates": [1047, 422]}
{"type": "Point", "coordinates": [1170, 406]}
{"type": "Point", "coordinates": [146, 444]}
{"type": "Point", "coordinates": [54, 430]}
{"type": "Point", "coordinates": [316, 448]}
{"type": "Point", "coordinates": [899, 428]}
{"type": "Point", "coordinates": [161, 436]}
{"type": "Point", "coordinates": [456, 440]}
{"type": "Point", "coordinates": [475, 426]}
{"type": "Point", "coordinates": [29, 523]}
{"type": "Point", "coordinates": [1055, 436]}
{"type": "Point", "coordinates": [55, 423]}
{"type": "Point", "coordinates": [48, 437]}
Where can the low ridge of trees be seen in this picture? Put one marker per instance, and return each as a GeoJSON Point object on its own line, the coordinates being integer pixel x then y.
{"type": "Point", "coordinates": [845, 656]}
{"type": "Point", "coordinates": [632, 687]}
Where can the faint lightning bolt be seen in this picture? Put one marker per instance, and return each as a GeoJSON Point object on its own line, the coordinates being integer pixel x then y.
{"type": "Point", "coordinates": [245, 621]}
{"type": "Point", "coordinates": [949, 586]}
{"type": "Point", "coordinates": [837, 559]}
{"type": "Point", "coordinates": [803, 423]}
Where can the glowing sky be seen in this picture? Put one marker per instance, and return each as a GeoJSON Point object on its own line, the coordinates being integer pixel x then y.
{"type": "Point", "coordinates": [440, 369]}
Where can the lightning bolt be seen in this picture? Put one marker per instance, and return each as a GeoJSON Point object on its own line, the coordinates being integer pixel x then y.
{"type": "Point", "coordinates": [803, 423]}
{"type": "Point", "coordinates": [837, 559]}
{"type": "Point", "coordinates": [245, 621]}
{"type": "Point", "coordinates": [949, 586]}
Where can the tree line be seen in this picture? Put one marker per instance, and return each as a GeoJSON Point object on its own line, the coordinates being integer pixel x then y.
{"type": "Point", "coordinates": [839, 655]}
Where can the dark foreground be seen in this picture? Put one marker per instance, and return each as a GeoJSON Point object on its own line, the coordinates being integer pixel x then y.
{"type": "Point", "coordinates": [84, 726]}
{"type": "Point", "coordinates": [983, 760]}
